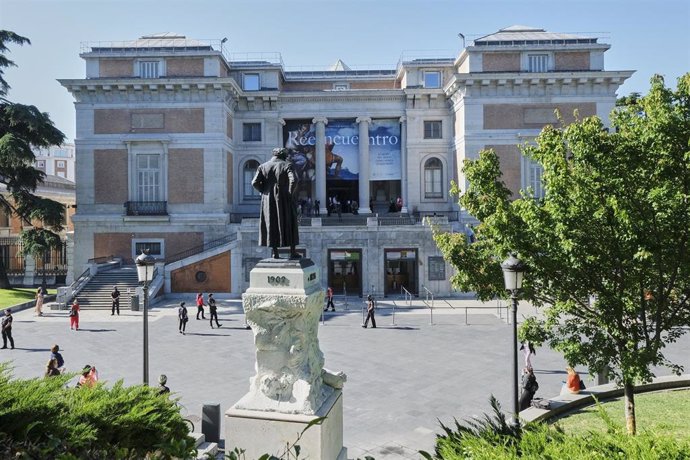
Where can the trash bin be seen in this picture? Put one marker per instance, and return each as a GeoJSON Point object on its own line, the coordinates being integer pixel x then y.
{"type": "Point", "coordinates": [134, 303]}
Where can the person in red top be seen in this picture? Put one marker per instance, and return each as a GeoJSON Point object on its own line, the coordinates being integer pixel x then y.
{"type": "Point", "coordinates": [74, 315]}
{"type": "Point", "coordinates": [573, 384]}
{"type": "Point", "coordinates": [200, 306]}
{"type": "Point", "coordinates": [329, 299]}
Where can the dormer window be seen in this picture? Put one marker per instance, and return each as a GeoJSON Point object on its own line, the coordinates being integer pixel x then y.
{"type": "Point", "coordinates": [149, 69]}
{"type": "Point", "coordinates": [251, 82]}
{"type": "Point", "coordinates": [432, 79]}
{"type": "Point", "coordinates": [538, 62]}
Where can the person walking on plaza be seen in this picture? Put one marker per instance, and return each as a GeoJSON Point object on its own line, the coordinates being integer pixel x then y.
{"type": "Point", "coordinates": [200, 306]}
{"type": "Point", "coordinates": [529, 387]}
{"type": "Point", "coordinates": [6, 325]}
{"type": "Point", "coordinates": [115, 295]}
{"type": "Point", "coordinates": [370, 312]}
{"type": "Point", "coordinates": [329, 299]}
{"type": "Point", "coordinates": [57, 356]}
{"type": "Point", "coordinates": [182, 316]}
{"type": "Point", "coordinates": [39, 302]}
{"type": "Point", "coordinates": [74, 315]}
{"type": "Point", "coordinates": [213, 310]}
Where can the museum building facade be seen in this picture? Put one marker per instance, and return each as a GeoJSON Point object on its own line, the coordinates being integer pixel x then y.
{"type": "Point", "coordinates": [170, 131]}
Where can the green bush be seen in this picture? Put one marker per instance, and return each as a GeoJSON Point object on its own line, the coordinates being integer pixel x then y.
{"type": "Point", "coordinates": [43, 418]}
{"type": "Point", "coordinates": [490, 439]}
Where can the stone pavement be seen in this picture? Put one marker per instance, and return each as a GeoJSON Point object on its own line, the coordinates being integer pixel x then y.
{"type": "Point", "coordinates": [401, 378]}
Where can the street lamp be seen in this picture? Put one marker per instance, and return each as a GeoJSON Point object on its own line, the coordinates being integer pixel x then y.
{"type": "Point", "coordinates": [513, 271]}
{"type": "Point", "coordinates": [145, 267]}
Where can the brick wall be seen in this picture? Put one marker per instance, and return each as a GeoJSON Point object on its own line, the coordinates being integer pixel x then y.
{"type": "Point", "coordinates": [578, 60]}
{"type": "Point", "coordinates": [119, 244]}
{"type": "Point", "coordinates": [118, 121]}
{"type": "Point", "coordinates": [532, 116]}
{"type": "Point", "coordinates": [501, 62]}
{"type": "Point", "coordinates": [509, 156]}
{"type": "Point", "coordinates": [110, 176]}
{"type": "Point", "coordinates": [185, 176]}
{"type": "Point", "coordinates": [209, 275]}
{"type": "Point", "coordinates": [184, 67]}
{"type": "Point", "coordinates": [112, 68]}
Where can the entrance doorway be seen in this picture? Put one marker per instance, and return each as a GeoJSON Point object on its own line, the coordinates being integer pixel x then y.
{"type": "Point", "coordinates": [345, 271]}
{"type": "Point", "coordinates": [401, 271]}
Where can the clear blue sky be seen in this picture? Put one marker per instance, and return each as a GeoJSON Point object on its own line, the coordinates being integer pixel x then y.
{"type": "Point", "coordinates": [646, 36]}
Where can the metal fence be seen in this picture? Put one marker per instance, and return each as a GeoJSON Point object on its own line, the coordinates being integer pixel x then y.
{"type": "Point", "coordinates": [53, 261]}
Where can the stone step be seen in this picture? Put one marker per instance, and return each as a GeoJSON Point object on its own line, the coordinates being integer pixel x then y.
{"type": "Point", "coordinates": [207, 450]}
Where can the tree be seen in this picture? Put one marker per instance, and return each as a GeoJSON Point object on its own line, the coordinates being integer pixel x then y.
{"type": "Point", "coordinates": [23, 127]}
{"type": "Point", "coordinates": [607, 245]}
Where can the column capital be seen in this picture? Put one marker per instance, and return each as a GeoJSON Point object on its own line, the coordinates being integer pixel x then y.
{"type": "Point", "coordinates": [282, 121]}
{"type": "Point", "coordinates": [403, 119]}
{"type": "Point", "coordinates": [323, 120]}
{"type": "Point", "coordinates": [363, 120]}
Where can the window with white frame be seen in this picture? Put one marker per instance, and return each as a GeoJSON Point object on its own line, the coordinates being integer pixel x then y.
{"type": "Point", "coordinates": [432, 79]}
{"type": "Point", "coordinates": [154, 246]}
{"type": "Point", "coordinates": [341, 86]}
{"type": "Point", "coordinates": [248, 172]}
{"type": "Point", "coordinates": [432, 129]}
{"type": "Point", "coordinates": [40, 164]}
{"type": "Point", "coordinates": [148, 185]}
{"type": "Point", "coordinates": [251, 132]}
{"type": "Point", "coordinates": [251, 82]}
{"type": "Point", "coordinates": [538, 62]}
{"type": "Point", "coordinates": [433, 178]}
{"type": "Point", "coordinates": [535, 172]}
{"type": "Point", "coordinates": [60, 164]}
{"type": "Point", "coordinates": [149, 69]}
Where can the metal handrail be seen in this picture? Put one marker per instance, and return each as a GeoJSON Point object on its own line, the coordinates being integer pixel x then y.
{"type": "Point", "coordinates": [429, 294]}
{"type": "Point", "coordinates": [407, 294]}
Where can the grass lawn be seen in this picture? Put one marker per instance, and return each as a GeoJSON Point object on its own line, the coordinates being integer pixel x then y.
{"type": "Point", "coordinates": [9, 297]}
{"type": "Point", "coordinates": [663, 412]}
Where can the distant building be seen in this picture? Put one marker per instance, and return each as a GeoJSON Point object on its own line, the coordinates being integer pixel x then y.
{"type": "Point", "coordinates": [170, 131]}
{"type": "Point", "coordinates": [56, 160]}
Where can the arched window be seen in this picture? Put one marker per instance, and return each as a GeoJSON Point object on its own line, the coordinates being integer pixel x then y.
{"type": "Point", "coordinates": [433, 178]}
{"type": "Point", "coordinates": [248, 172]}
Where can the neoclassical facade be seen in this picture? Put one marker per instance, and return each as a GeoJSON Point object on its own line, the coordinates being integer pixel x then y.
{"type": "Point", "coordinates": [170, 131]}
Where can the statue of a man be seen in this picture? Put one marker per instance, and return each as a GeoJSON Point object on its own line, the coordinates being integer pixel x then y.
{"type": "Point", "coordinates": [277, 182]}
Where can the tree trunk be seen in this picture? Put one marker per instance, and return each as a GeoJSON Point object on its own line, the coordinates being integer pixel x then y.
{"type": "Point", "coordinates": [4, 280]}
{"type": "Point", "coordinates": [629, 392]}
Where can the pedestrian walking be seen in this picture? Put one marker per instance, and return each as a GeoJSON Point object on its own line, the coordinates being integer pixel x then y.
{"type": "Point", "coordinates": [115, 295]}
{"type": "Point", "coordinates": [529, 351]}
{"type": "Point", "coordinates": [213, 310]}
{"type": "Point", "coordinates": [89, 377]}
{"type": "Point", "coordinates": [329, 299]}
{"type": "Point", "coordinates": [371, 306]}
{"type": "Point", "coordinates": [182, 316]}
{"type": "Point", "coordinates": [200, 306]}
{"type": "Point", "coordinates": [529, 388]}
{"type": "Point", "coordinates": [57, 356]}
{"type": "Point", "coordinates": [39, 302]}
{"type": "Point", "coordinates": [52, 368]}
{"type": "Point", "coordinates": [74, 315]}
{"type": "Point", "coordinates": [162, 388]}
{"type": "Point", "coordinates": [6, 325]}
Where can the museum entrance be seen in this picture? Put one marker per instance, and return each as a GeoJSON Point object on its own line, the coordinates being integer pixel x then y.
{"type": "Point", "coordinates": [382, 192]}
{"type": "Point", "coordinates": [344, 191]}
{"type": "Point", "coordinates": [345, 271]}
{"type": "Point", "coordinates": [401, 271]}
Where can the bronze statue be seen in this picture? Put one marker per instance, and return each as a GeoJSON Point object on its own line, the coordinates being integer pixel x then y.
{"type": "Point", "coordinates": [277, 182]}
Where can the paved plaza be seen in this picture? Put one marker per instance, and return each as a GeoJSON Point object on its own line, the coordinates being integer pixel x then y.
{"type": "Point", "coordinates": [402, 378]}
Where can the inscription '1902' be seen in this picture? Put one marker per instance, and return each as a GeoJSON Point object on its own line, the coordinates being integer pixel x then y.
{"type": "Point", "coordinates": [278, 281]}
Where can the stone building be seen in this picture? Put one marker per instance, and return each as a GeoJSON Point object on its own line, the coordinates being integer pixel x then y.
{"type": "Point", "coordinates": [56, 160]}
{"type": "Point", "coordinates": [170, 131]}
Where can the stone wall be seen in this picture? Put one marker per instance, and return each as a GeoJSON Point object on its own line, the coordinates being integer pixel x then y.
{"type": "Point", "coordinates": [120, 121]}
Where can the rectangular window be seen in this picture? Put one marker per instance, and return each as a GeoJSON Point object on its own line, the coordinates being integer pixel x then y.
{"type": "Point", "coordinates": [148, 178]}
{"type": "Point", "coordinates": [432, 129]}
{"type": "Point", "coordinates": [251, 132]}
{"type": "Point", "coordinates": [251, 82]}
{"type": "Point", "coordinates": [432, 79]}
{"type": "Point", "coordinates": [341, 86]}
{"type": "Point", "coordinates": [432, 183]}
{"type": "Point", "coordinates": [60, 164]}
{"type": "Point", "coordinates": [538, 62]}
{"type": "Point", "coordinates": [154, 249]}
{"type": "Point", "coordinates": [535, 173]}
{"type": "Point", "coordinates": [148, 69]}
{"type": "Point", "coordinates": [40, 164]}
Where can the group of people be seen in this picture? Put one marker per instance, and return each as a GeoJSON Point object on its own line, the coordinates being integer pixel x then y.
{"type": "Point", "coordinates": [336, 206]}
{"type": "Point", "coordinates": [308, 208]}
{"type": "Point", "coordinates": [371, 307]}
{"type": "Point", "coordinates": [183, 316]}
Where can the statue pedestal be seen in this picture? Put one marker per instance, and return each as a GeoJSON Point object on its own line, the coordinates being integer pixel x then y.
{"type": "Point", "coordinates": [283, 305]}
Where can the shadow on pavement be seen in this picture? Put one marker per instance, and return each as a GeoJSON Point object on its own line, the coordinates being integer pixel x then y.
{"type": "Point", "coordinates": [96, 330]}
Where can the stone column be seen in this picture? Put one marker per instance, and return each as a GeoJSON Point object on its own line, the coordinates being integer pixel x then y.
{"type": "Point", "coordinates": [403, 163]}
{"type": "Point", "coordinates": [364, 165]}
{"type": "Point", "coordinates": [321, 123]}
{"type": "Point", "coordinates": [69, 240]}
{"type": "Point", "coordinates": [29, 270]}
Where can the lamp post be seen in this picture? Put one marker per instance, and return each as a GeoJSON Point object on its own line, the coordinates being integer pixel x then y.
{"type": "Point", "coordinates": [145, 264]}
{"type": "Point", "coordinates": [513, 270]}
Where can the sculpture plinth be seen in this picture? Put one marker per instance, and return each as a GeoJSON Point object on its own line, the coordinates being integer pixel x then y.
{"type": "Point", "coordinates": [291, 388]}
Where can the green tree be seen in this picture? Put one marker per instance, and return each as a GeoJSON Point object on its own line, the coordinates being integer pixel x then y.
{"type": "Point", "coordinates": [607, 245]}
{"type": "Point", "coordinates": [23, 127]}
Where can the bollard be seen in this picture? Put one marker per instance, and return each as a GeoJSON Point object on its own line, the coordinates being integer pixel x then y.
{"type": "Point", "coordinates": [210, 422]}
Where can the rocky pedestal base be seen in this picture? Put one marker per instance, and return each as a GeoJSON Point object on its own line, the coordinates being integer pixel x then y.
{"type": "Point", "coordinates": [261, 432]}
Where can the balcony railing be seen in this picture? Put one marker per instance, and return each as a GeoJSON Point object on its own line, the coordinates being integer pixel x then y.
{"type": "Point", "coordinates": [146, 208]}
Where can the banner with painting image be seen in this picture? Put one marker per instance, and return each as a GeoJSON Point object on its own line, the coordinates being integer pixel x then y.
{"type": "Point", "coordinates": [342, 150]}
{"type": "Point", "coordinates": [384, 150]}
{"type": "Point", "coordinates": [300, 140]}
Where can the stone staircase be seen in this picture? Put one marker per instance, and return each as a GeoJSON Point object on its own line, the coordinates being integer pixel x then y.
{"type": "Point", "coordinates": [96, 294]}
{"type": "Point", "coordinates": [205, 450]}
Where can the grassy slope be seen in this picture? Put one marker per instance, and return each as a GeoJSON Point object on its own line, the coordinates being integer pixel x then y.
{"type": "Point", "coordinates": [9, 297]}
